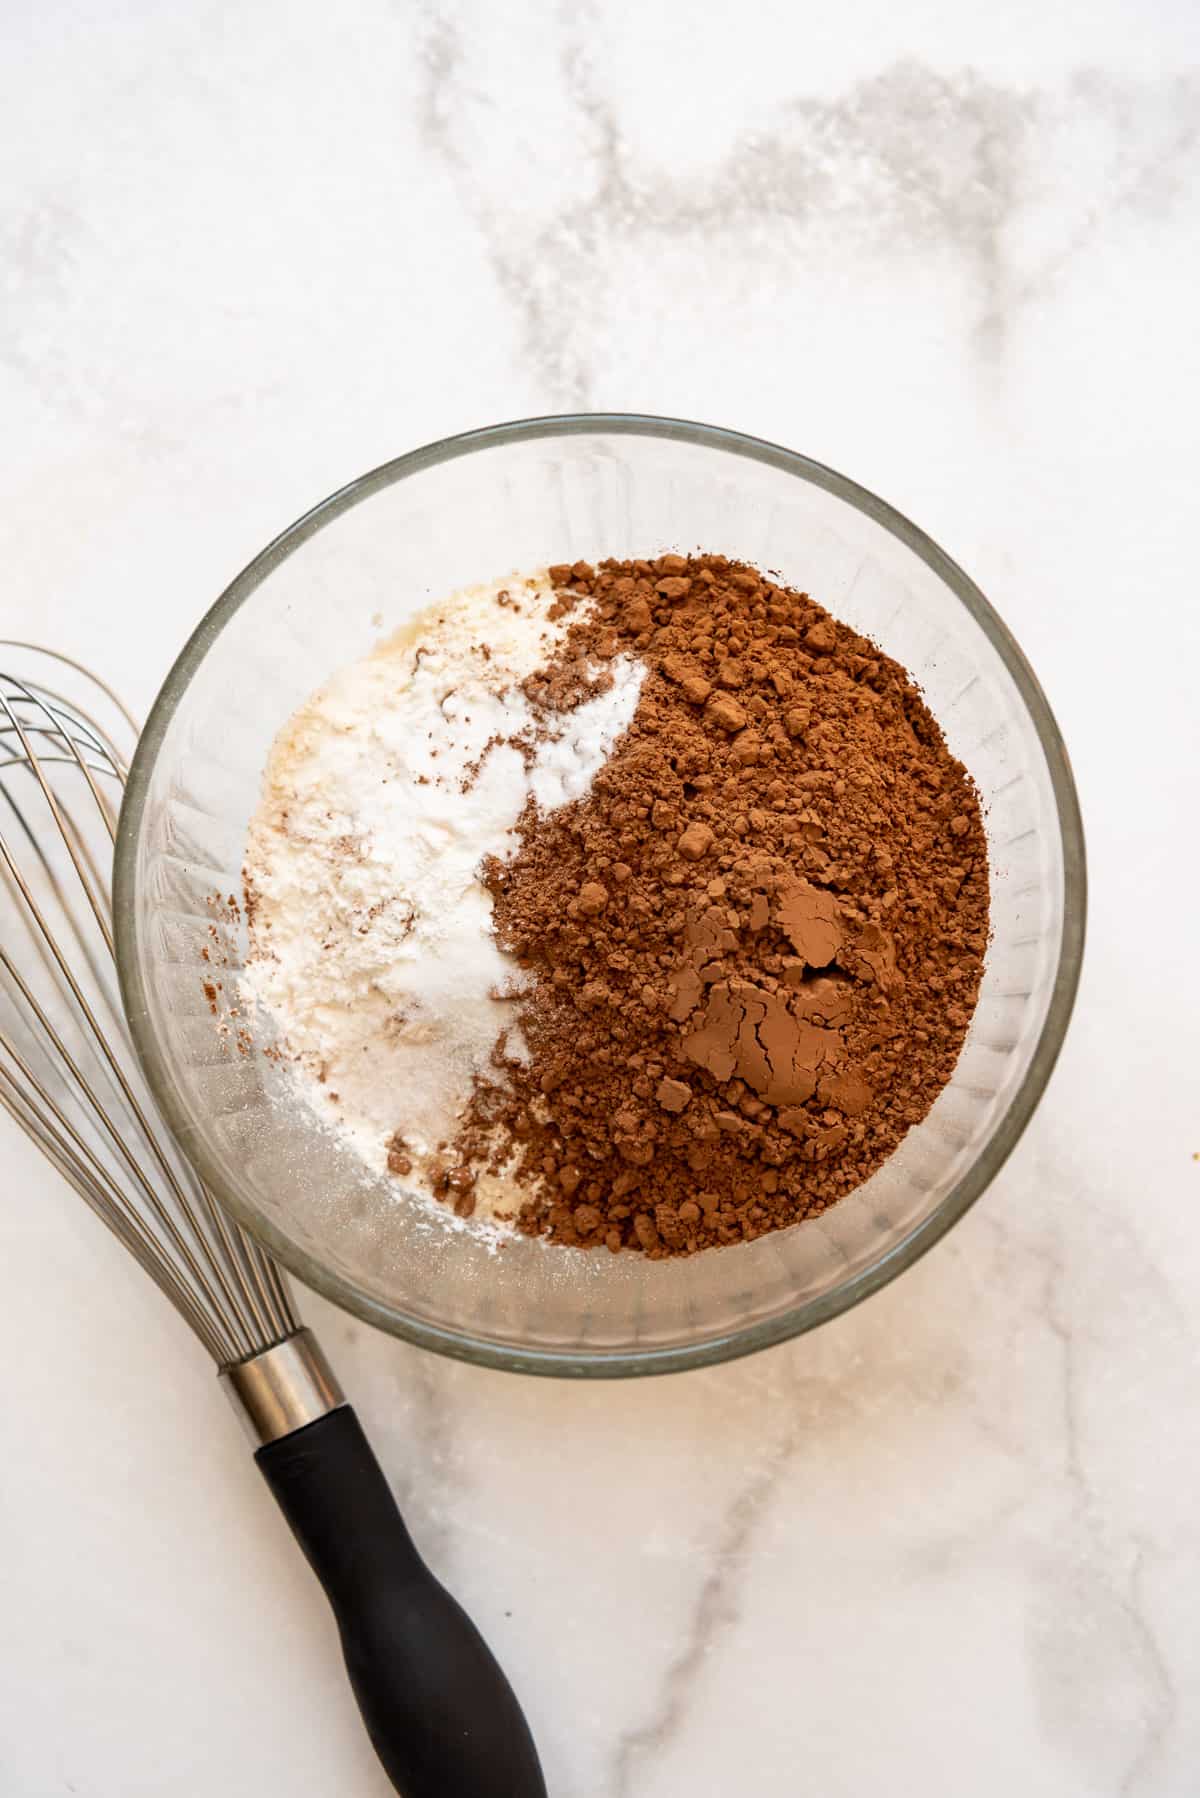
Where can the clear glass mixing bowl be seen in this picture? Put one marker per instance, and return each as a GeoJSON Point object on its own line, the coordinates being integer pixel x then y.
{"type": "Point", "coordinates": [471, 508]}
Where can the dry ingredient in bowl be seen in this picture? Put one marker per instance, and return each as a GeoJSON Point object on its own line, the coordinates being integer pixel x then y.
{"type": "Point", "coordinates": [371, 935]}
{"type": "Point", "coordinates": [731, 954]}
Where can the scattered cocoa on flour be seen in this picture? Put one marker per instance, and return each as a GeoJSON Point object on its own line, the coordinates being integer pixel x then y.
{"type": "Point", "coordinates": [754, 948]}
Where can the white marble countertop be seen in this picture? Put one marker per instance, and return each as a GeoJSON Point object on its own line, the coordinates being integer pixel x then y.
{"type": "Point", "coordinates": [947, 1544]}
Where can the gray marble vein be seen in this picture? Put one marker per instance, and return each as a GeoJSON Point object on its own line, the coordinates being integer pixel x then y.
{"type": "Point", "coordinates": [911, 161]}
{"type": "Point", "coordinates": [715, 1611]}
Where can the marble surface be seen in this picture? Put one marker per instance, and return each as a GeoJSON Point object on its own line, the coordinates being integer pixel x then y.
{"type": "Point", "coordinates": [949, 1543]}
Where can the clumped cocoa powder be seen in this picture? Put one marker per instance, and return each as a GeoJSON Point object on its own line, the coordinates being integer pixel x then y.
{"type": "Point", "coordinates": [754, 947]}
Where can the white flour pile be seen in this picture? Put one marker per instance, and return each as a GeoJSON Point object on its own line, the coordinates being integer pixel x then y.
{"type": "Point", "coordinates": [371, 938]}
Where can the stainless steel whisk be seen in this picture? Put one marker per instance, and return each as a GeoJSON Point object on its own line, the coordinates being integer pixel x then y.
{"type": "Point", "coordinates": [439, 1711]}
{"type": "Point", "coordinates": [223, 1285]}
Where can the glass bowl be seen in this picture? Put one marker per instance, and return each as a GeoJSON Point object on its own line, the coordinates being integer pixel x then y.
{"type": "Point", "coordinates": [469, 509]}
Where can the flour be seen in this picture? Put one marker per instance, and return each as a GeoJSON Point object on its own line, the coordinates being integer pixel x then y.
{"type": "Point", "coordinates": [371, 936]}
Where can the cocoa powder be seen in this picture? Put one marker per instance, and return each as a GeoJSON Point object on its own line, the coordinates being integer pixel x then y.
{"type": "Point", "coordinates": [754, 948]}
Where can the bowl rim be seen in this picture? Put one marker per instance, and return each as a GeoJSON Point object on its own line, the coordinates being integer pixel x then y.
{"type": "Point", "coordinates": [801, 1317]}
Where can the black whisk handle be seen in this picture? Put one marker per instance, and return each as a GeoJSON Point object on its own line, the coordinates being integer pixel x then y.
{"type": "Point", "coordinates": [439, 1711]}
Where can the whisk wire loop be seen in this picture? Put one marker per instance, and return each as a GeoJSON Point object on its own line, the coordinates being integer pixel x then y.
{"type": "Point", "coordinates": [68, 1074]}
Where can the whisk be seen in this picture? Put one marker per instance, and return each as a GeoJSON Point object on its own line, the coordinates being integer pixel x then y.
{"type": "Point", "coordinates": [439, 1711]}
